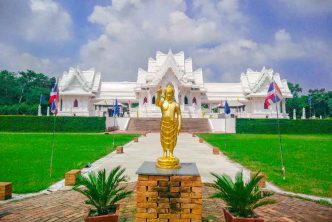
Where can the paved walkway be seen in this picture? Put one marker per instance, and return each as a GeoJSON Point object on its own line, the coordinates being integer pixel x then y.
{"type": "Point", "coordinates": [188, 149]}
{"type": "Point", "coordinates": [63, 206]}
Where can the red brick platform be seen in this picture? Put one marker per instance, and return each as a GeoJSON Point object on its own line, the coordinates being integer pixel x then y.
{"type": "Point", "coordinates": [68, 206]}
{"type": "Point", "coordinates": [169, 198]}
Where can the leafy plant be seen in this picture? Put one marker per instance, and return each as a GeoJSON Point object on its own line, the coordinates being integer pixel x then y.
{"type": "Point", "coordinates": [103, 191]}
{"type": "Point", "coordinates": [241, 198]}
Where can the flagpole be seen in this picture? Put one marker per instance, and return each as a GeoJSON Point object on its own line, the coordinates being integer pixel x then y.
{"type": "Point", "coordinates": [51, 162]}
{"type": "Point", "coordinates": [225, 117]}
{"type": "Point", "coordinates": [279, 134]}
{"type": "Point", "coordinates": [280, 145]}
{"type": "Point", "coordinates": [114, 116]}
{"type": "Point", "coordinates": [54, 121]}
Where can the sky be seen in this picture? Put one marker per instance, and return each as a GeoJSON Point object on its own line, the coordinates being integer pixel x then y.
{"type": "Point", "coordinates": [223, 37]}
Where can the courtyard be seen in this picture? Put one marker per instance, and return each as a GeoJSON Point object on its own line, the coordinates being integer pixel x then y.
{"type": "Point", "coordinates": [67, 205]}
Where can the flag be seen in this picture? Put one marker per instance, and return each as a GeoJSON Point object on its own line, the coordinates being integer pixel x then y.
{"type": "Point", "coordinates": [116, 108]}
{"type": "Point", "coordinates": [274, 95]}
{"type": "Point", "coordinates": [42, 99]}
{"type": "Point", "coordinates": [227, 110]}
{"type": "Point", "coordinates": [54, 98]}
{"type": "Point", "coordinates": [309, 100]}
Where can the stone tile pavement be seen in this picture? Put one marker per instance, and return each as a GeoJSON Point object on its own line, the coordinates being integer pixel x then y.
{"type": "Point", "coordinates": [188, 149]}
{"type": "Point", "coordinates": [69, 206]}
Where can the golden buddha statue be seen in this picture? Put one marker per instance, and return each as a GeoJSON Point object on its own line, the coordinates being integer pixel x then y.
{"type": "Point", "coordinates": [170, 127]}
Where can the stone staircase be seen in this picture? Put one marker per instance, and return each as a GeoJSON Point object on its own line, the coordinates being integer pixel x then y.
{"type": "Point", "coordinates": [153, 125]}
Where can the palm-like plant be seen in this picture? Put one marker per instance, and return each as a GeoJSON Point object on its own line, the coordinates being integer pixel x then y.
{"type": "Point", "coordinates": [103, 192]}
{"type": "Point", "coordinates": [241, 198]}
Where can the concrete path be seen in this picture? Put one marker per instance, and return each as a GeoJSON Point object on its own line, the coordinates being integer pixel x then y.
{"type": "Point", "coordinates": [148, 148]}
{"type": "Point", "coordinates": [188, 149]}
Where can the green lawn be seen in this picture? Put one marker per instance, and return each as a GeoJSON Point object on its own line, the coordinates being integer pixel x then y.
{"type": "Point", "coordinates": [308, 158]}
{"type": "Point", "coordinates": [25, 158]}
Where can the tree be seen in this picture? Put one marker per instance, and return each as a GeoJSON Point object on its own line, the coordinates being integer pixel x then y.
{"type": "Point", "coordinates": [294, 88]}
{"type": "Point", "coordinates": [319, 101]}
{"type": "Point", "coordinates": [9, 90]}
{"type": "Point", "coordinates": [297, 101]}
{"type": "Point", "coordinates": [20, 92]}
{"type": "Point", "coordinates": [33, 85]}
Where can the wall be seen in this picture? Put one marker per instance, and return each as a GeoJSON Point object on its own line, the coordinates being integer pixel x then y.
{"type": "Point", "coordinates": [218, 125]}
{"type": "Point", "coordinates": [121, 122]}
{"type": "Point", "coordinates": [85, 107]}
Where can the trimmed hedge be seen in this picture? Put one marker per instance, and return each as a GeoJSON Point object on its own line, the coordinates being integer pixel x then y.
{"type": "Point", "coordinates": [269, 126]}
{"type": "Point", "coordinates": [45, 124]}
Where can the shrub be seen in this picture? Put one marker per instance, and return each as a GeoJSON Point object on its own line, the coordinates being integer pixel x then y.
{"type": "Point", "coordinates": [269, 126]}
{"type": "Point", "coordinates": [241, 198]}
{"type": "Point", "coordinates": [103, 192]}
{"type": "Point", "coordinates": [45, 124]}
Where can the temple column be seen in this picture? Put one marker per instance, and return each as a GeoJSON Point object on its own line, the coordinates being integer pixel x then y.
{"type": "Point", "coordinates": [284, 106]}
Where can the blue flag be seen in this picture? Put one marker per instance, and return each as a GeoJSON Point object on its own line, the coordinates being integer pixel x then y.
{"type": "Point", "coordinates": [309, 100]}
{"type": "Point", "coordinates": [42, 99]}
{"type": "Point", "coordinates": [227, 110]}
{"type": "Point", "coordinates": [116, 108]}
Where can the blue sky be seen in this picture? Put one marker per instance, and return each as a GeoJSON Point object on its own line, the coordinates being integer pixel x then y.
{"type": "Point", "coordinates": [224, 37]}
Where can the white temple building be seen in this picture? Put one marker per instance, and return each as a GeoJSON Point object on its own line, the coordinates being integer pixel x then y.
{"type": "Point", "coordinates": [83, 93]}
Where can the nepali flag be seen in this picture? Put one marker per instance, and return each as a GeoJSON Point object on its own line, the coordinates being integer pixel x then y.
{"type": "Point", "coordinates": [274, 95]}
{"type": "Point", "coordinates": [54, 98]}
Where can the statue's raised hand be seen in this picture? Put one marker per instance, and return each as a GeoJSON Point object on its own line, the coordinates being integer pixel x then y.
{"type": "Point", "coordinates": [160, 91]}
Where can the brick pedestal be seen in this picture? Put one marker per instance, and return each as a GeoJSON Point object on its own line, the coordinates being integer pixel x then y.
{"type": "Point", "coordinates": [70, 178]}
{"type": "Point", "coordinates": [201, 140]}
{"type": "Point", "coordinates": [169, 195]}
{"type": "Point", "coordinates": [119, 149]}
{"type": "Point", "coordinates": [216, 151]}
{"type": "Point", "coordinates": [5, 190]}
{"type": "Point", "coordinates": [136, 139]}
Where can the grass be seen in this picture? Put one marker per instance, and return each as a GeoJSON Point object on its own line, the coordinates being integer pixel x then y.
{"type": "Point", "coordinates": [25, 157]}
{"type": "Point", "coordinates": [307, 159]}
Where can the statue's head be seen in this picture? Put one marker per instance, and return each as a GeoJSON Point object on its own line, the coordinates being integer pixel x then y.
{"type": "Point", "coordinates": [169, 93]}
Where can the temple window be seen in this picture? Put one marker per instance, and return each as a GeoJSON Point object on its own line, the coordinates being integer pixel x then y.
{"type": "Point", "coordinates": [194, 100]}
{"type": "Point", "coordinates": [186, 100]}
{"type": "Point", "coordinates": [153, 100]}
{"type": "Point", "coordinates": [75, 103]}
{"type": "Point", "coordinates": [145, 100]}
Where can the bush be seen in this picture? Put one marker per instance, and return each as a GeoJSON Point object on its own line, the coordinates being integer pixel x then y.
{"type": "Point", "coordinates": [240, 197]}
{"type": "Point", "coordinates": [269, 126]}
{"type": "Point", "coordinates": [103, 191]}
{"type": "Point", "coordinates": [19, 109]}
{"type": "Point", "coordinates": [45, 124]}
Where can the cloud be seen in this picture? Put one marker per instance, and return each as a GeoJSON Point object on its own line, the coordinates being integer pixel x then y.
{"type": "Point", "coordinates": [213, 33]}
{"type": "Point", "coordinates": [48, 21]}
{"type": "Point", "coordinates": [35, 20]}
{"type": "Point", "coordinates": [14, 60]}
{"type": "Point", "coordinates": [233, 57]}
{"type": "Point", "coordinates": [133, 31]}
{"type": "Point", "coordinates": [224, 37]}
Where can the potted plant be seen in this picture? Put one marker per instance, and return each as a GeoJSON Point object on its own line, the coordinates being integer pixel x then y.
{"type": "Point", "coordinates": [241, 198]}
{"type": "Point", "coordinates": [103, 192]}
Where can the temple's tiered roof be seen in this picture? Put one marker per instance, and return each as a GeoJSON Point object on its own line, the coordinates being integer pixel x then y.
{"type": "Point", "coordinates": [177, 68]}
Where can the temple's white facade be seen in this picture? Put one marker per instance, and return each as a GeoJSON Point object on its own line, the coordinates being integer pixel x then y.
{"type": "Point", "coordinates": [82, 93]}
